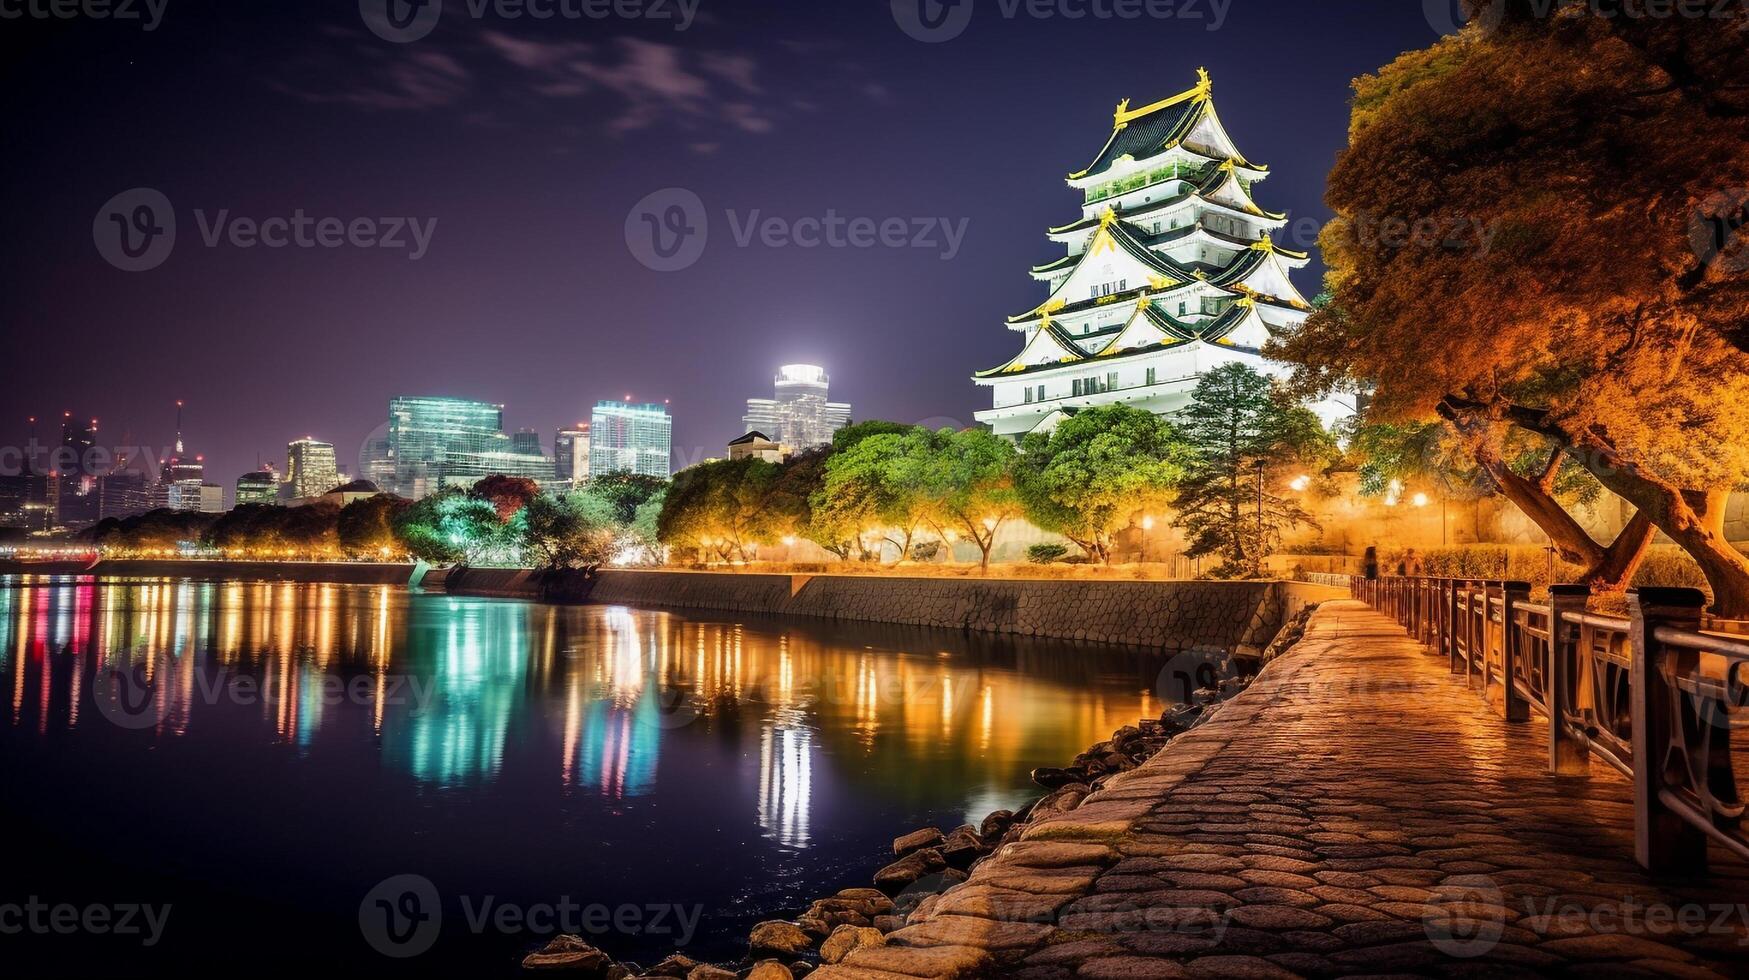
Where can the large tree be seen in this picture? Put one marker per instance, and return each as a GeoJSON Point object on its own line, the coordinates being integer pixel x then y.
{"type": "Point", "coordinates": [1242, 434]}
{"type": "Point", "coordinates": [967, 478]}
{"type": "Point", "coordinates": [1528, 247]}
{"type": "Point", "coordinates": [723, 508]}
{"type": "Point", "coordinates": [1098, 469]}
{"type": "Point", "coordinates": [573, 531]}
{"type": "Point", "coordinates": [871, 488]}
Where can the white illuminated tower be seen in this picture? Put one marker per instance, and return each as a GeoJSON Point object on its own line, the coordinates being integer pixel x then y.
{"type": "Point", "coordinates": [1171, 272]}
{"type": "Point", "coordinates": [800, 416]}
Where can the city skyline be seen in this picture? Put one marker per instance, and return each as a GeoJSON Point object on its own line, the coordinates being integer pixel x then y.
{"type": "Point", "coordinates": [528, 294]}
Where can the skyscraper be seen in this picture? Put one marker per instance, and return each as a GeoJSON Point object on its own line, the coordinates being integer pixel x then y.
{"type": "Point", "coordinates": [571, 450]}
{"type": "Point", "coordinates": [259, 487]}
{"type": "Point", "coordinates": [443, 442]}
{"type": "Point", "coordinates": [526, 442]}
{"type": "Point", "coordinates": [800, 416]}
{"type": "Point", "coordinates": [310, 468]}
{"type": "Point", "coordinates": [632, 438]}
{"type": "Point", "coordinates": [73, 489]}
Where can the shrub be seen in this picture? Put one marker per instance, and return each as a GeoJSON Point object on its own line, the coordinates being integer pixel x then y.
{"type": "Point", "coordinates": [1044, 554]}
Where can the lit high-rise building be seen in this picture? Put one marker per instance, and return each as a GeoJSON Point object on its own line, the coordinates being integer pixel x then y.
{"type": "Point", "coordinates": [311, 469]}
{"type": "Point", "coordinates": [526, 442]}
{"type": "Point", "coordinates": [71, 489]}
{"type": "Point", "coordinates": [800, 416]}
{"type": "Point", "coordinates": [444, 442]}
{"type": "Point", "coordinates": [571, 451]}
{"type": "Point", "coordinates": [194, 496]}
{"type": "Point", "coordinates": [259, 487]}
{"type": "Point", "coordinates": [632, 438]}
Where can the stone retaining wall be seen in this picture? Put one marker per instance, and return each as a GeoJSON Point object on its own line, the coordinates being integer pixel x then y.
{"type": "Point", "coordinates": [339, 573]}
{"type": "Point", "coordinates": [1170, 615]}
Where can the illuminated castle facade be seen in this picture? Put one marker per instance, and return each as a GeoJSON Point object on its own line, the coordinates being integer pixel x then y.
{"type": "Point", "coordinates": [1171, 272]}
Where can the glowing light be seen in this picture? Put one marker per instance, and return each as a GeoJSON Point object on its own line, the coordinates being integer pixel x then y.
{"type": "Point", "coordinates": [1419, 500]}
{"type": "Point", "coordinates": [1148, 522]}
{"type": "Point", "coordinates": [1300, 483]}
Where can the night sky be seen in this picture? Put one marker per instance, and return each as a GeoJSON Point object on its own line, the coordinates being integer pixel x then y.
{"type": "Point", "coordinates": [529, 142]}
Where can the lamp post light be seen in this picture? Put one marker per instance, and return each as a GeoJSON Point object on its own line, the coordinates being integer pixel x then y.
{"type": "Point", "coordinates": [1147, 525]}
{"type": "Point", "coordinates": [1261, 464]}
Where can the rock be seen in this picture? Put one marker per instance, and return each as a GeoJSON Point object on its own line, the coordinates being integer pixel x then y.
{"type": "Point", "coordinates": [1062, 801]}
{"type": "Point", "coordinates": [779, 938]}
{"type": "Point", "coordinates": [1053, 778]}
{"type": "Point", "coordinates": [801, 968]}
{"type": "Point", "coordinates": [770, 970]}
{"type": "Point", "coordinates": [846, 940]}
{"type": "Point", "coordinates": [813, 925]}
{"type": "Point", "coordinates": [677, 966]}
{"type": "Point", "coordinates": [893, 878]}
{"type": "Point", "coordinates": [962, 847]}
{"type": "Point", "coordinates": [888, 923]}
{"type": "Point", "coordinates": [619, 971]}
{"type": "Point", "coordinates": [571, 954]}
{"type": "Point", "coordinates": [704, 971]}
{"type": "Point", "coordinates": [996, 824]}
{"type": "Point", "coordinates": [917, 841]}
{"type": "Point", "coordinates": [875, 901]}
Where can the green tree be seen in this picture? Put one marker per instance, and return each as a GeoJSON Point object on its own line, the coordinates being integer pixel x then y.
{"type": "Point", "coordinates": [570, 532]}
{"type": "Point", "coordinates": [1097, 470]}
{"type": "Point", "coordinates": [872, 488]}
{"type": "Point", "coordinates": [1242, 433]}
{"type": "Point", "coordinates": [626, 492]}
{"type": "Point", "coordinates": [366, 528]}
{"type": "Point", "coordinates": [722, 508]}
{"type": "Point", "coordinates": [967, 480]}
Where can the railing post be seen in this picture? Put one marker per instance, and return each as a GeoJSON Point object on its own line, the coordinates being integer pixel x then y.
{"type": "Point", "coordinates": [1512, 704]}
{"type": "Point", "coordinates": [1451, 618]}
{"type": "Point", "coordinates": [1460, 604]}
{"type": "Point", "coordinates": [1663, 841]}
{"type": "Point", "coordinates": [1568, 755]}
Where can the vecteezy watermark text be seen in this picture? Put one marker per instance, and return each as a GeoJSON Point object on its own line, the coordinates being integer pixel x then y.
{"type": "Point", "coordinates": [136, 231]}
{"type": "Point", "coordinates": [149, 13]}
{"type": "Point", "coordinates": [402, 916]}
{"type": "Point", "coordinates": [935, 21]}
{"type": "Point", "coordinates": [667, 231]}
{"type": "Point", "coordinates": [405, 21]}
{"type": "Point", "coordinates": [42, 918]}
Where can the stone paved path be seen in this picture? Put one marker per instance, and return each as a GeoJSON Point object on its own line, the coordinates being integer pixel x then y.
{"type": "Point", "coordinates": [1357, 811]}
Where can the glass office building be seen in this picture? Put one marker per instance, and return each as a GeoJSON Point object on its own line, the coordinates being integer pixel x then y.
{"type": "Point", "coordinates": [445, 442]}
{"type": "Point", "coordinates": [632, 438]}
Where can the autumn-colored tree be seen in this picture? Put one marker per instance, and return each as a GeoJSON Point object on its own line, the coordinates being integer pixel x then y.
{"type": "Point", "coordinates": [1530, 245]}
{"type": "Point", "coordinates": [506, 494]}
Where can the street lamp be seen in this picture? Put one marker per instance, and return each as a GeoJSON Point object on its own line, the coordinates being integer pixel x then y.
{"type": "Point", "coordinates": [1147, 525]}
{"type": "Point", "coordinates": [1261, 466]}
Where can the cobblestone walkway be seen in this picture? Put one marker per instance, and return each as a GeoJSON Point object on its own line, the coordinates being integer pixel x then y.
{"type": "Point", "coordinates": [1357, 811]}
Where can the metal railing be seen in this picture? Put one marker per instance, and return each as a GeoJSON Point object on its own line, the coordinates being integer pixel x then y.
{"type": "Point", "coordinates": [1657, 695]}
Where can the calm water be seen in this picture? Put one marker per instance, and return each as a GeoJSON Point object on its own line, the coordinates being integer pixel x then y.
{"type": "Point", "coordinates": [262, 756]}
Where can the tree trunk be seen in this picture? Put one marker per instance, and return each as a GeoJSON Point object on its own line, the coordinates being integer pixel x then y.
{"type": "Point", "coordinates": [1694, 519]}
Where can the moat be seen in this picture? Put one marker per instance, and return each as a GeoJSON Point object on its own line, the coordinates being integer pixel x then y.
{"type": "Point", "coordinates": [300, 744]}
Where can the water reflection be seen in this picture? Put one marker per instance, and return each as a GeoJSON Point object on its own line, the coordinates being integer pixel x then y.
{"type": "Point", "coordinates": [452, 692]}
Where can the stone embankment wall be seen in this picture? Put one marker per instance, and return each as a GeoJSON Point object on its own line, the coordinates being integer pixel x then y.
{"type": "Point", "coordinates": [338, 573]}
{"type": "Point", "coordinates": [1170, 615]}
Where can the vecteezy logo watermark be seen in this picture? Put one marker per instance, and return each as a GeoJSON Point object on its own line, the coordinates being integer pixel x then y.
{"type": "Point", "coordinates": [40, 918]}
{"type": "Point", "coordinates": [935, 21]}
{"type": "Point", "coordinates": [1719, 231]}
{"type": "Point", "coordinates": [1451, 16]}
{"type": "Point", "coordinates": [400, 21]}
{"type": "Point", "coordinates": [150, 13]}
{"type": "Point", "coordinates": [401, 916]}
{"type": "Point", "coordinates": [130, 695]}
{"type": "Point", "coordinates": [136, 231]}
{"type": "Point", "coordinates": [405, 21]}
{"type": "Point", "coordinates": [1466, 916]}
{"type": "Point", "coordinates": [667, 231]}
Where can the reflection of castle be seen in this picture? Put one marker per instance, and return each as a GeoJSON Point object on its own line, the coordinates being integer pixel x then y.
{"type": "Point", "coordinates": [785, 782]}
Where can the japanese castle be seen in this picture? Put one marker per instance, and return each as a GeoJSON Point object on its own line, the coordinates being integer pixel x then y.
{"type": "Point", "coordinates": [1171, 272]}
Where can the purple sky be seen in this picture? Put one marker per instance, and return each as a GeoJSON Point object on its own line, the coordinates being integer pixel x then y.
{"type": "Point", "coordinates": [529, 142]}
